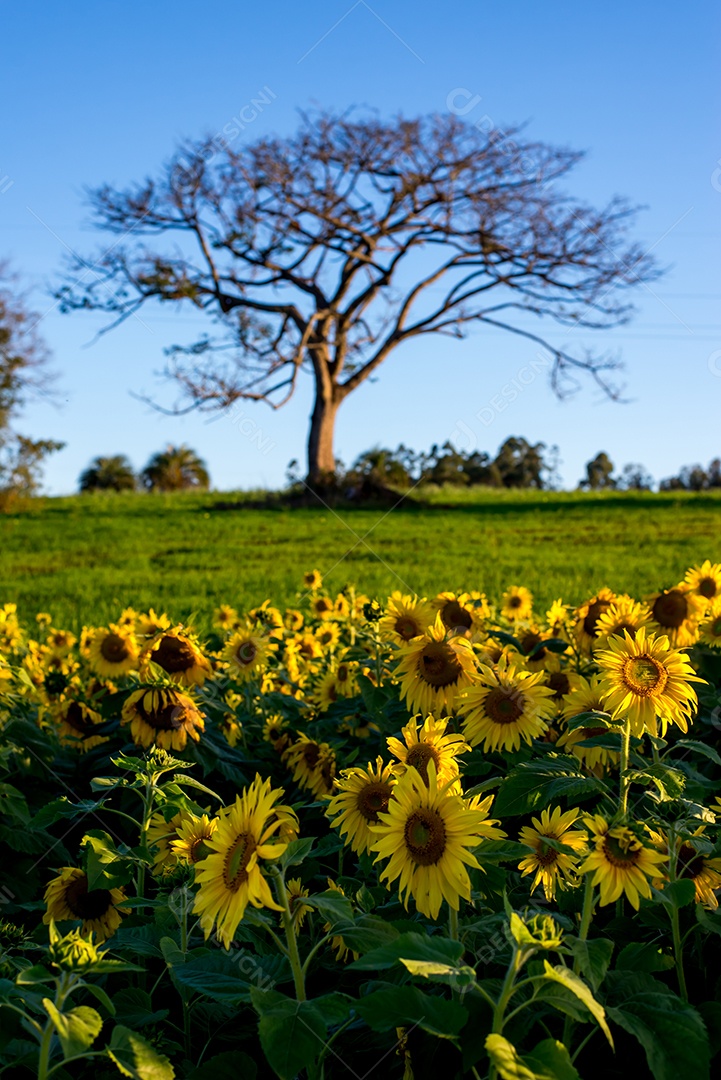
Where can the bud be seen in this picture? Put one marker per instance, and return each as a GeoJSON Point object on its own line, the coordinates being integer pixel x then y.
{"type": "Point", "coordinates": [372, 611]}
{"type": "Point", "coordinates": [73, 952]}
{"type": "Point", "coordinates": [538, 932]}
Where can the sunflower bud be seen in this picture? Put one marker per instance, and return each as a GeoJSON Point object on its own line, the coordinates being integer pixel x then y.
{"type": "Point", "coordinates": [73, 952]}
{"type": "Point", "coordinates": [372, 611]}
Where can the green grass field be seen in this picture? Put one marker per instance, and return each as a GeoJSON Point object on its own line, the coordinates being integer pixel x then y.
{"type": "Point", "coordinates": [84, 558]}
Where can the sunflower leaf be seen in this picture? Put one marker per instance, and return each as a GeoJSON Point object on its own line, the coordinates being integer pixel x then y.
{"type": "Point", "coordinates": [591, 719]}
{"type": "Point", "coordinates": [332, 905]}
{"type": "Point", "coordinates": [136, 1058]}
{"type": "Point", "coordinates": [292, 1033]}
{"type": "Point", "coordinates": [577, 986]}
{"type": "Point", "coordinates": [410, 946]}
{"type": "Point", "coordinates": [460, 978]}
{"type": "Point", "coordinates": [184, 780]}
{"type": "Point", "coordinates": [549, 1060]}
{"type": "Point", "coordinates": [391, 1007]}
{"type": "Point", "coordinates": [593, 958]}
{"type": "Point", "coordinates": [532, 785]}
{"type": "Point", "coordinates": [77, 1029]}
{"type": "Point", "coordinates": [671, 1031]}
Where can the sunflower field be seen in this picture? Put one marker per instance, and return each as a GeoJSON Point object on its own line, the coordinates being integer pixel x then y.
{"type": "Point", "coordinates": [407, 838]}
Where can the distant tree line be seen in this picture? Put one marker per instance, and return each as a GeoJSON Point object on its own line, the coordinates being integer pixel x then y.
{"type": "Point", "coordinates": [177, 468]}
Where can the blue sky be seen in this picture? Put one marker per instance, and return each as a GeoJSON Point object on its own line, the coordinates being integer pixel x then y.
{"type": "Point", "coordinates": [93, 92]}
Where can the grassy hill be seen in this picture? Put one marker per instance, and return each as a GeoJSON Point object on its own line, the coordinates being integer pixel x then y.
{"type": "Point", "coordinates": [84, 558]}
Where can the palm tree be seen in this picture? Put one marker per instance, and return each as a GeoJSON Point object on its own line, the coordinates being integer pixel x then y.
{"type": "Point", "coordinates": [113, 473]}
{"type": "Point", "coordinates": [177, 468]}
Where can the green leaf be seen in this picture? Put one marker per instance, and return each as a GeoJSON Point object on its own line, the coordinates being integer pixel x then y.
{"type": "Point", "coordinates": [593, 958]}
{"type": "Point", "coordinates": [136, 1058]}
{"type": "Point", "coordinates": [698, 747]}
{"type": "Point", "coordinates": [460, 978]}
{"type": "Point", "coordinates": [30, 976]}
{"type": "Point", "coordinates": [643, 956]}
{"type": "Point", "coordinates": [334, 907]}
{"type": "Point", "coordinates": [410, 947]}
{"type": "Point", "coordinates": [367, 932]}
{"type": "Point", "coordinates": [407, 1006]}
{"type": "Point", "coordinates": [292, 1033]}
{"type": "Point", "coordinates": [134, 1008]}
{"type": "Point", "coordinates": [671, 1032]}
{"type": "Point", "coordinates": [13, 805]}
{"type": "Point", "coordinates": [669, 782]}
{"type": "Point", "coordinates": [677, 894]}
{"type": "Point", "coordinates": [591, 719]}
{"type": "Point", "coordinates": [296, 851]}
{"type": "Point", "coordinates": [100, 995]}
{"type": "Point", "coordinates": [77, 1029]}
{"type": "Point", "coordinates": [334, 1008]}
{"type": "Point", "coordinates": [106, 868]}
{"type": "Point", "coordinates": [532, 785]}
{"type": "Point", "coordinates": [549, 1060]}
{"type": "Point", "coordinates": [577, 986]}
{"type": "Point", "coordinates": [228, 1066]}
{"type": "Point", "coordinates": [214, 976]}
{"type": "Point", "coordinates": [190, 781]}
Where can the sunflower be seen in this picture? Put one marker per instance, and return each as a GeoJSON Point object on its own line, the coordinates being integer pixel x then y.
{"type": "Point", "coordinates": [705, 873]}
{"type": "Point", "coordinates": [676, 613]}
{"type": "Point", "coordinates": [642, 678]}
{"type": "Point", "coordinates": [244, 838]}
{"type": "Point", "coordinates": [557, 619]}
{"type": "Point", "coordinates": [710, 628]}
{"type": "Point", "coordinates": [293, 620]}
{"type": "Point", "coordinates": [312, 764]}
{"type": "Point", "coordinates": [150, 623]}
{"type": "Point", "coordinates": [274, 732]}
{"type": "Point", "coordinates": [68, 897]}
{"type": "Point", "coordinates": [405, 618]}
{"type": "Point", "coordinates": [328, 635]}
{"type": "Point", "coordinates": [426, 834]}
{"type": "Point", "coordinates": [531, 640]}
{"type": "Point", "coordinates": [345, 672]}
{"type": "Point", "coordinates": [225, 617]}
{"type": "Point", "coordinates": [312, 580]}
{"type": "Point", "coordinates": [300, 655]}
{"type": "Point", "coordinates": [60, 642]}
{"type": "Point", "coordinates": [322, 607]}
{"type": "Point", "coordinates": [246, 654]}
{"type": "Point", "coordinates": [624, 613]}
{"type": "Point", "coordinates": [429, 744]}
{"type": "Point", "coordinates": [586, 697]}
{"type": "Point", "coordinates": [359, 795]}
{"type": "Point", "coordinates": [268, 619]}
{"type": "Point", "coordinates": [457, 614]}
{"type": "Point", "coordinates": [76, 722]}
{"type": "Point", "coordinates": [620, 862]}
{"type": "Point", "coordinates": [507, 706]}
{"type": "Point", "coordinates": [336, 942]}
{"type": "Point", "coordinates": [517, 604]}
{"type": "Point", "coordinates": [112, 651]}
{"type": "Point", "coordinates": [341, 607]}
{"type": "Point", "coordinates": [433, 669]}
{"type": "Point", "coordinates": [559, 680]}
{"type": "Point", "coordinates": [179, 657]}
{"type": "Point", "coordinates": [705, 580]}
{"type": "Point", "coordinates": [587, 616]}
{"type": "Point", "coordinates": [298, 910]}
{"type": "Point", "coordinates": [327, 691]}
{"type": "Point", "coordinates": [163, 716]}
{"type": "Point", "coordinates": [191, 841]}
{"type": "Point", "coordinates": [550, 866]}
{"type": "Point", "coordinates": [159, 836]}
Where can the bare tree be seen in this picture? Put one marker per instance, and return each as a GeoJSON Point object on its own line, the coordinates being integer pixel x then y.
{"type": "Point", "coordinates": [325, 251]}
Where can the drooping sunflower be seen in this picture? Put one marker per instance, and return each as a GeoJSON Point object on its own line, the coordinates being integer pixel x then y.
{"type": "Point", "coordinates": [77, 723]}
{"type": "Point", "coordinates": [176, 652]}
{"type": "Point", "coordinates": [586, 697]}
{"type": "Point", "coordinates": [426, 834]}
{"type": "Point", "coordinates": [191, 841]}
{"type": "Point", "coordinates": [624, 613]}
{"type": "Point", "coordinates": [68, 897]}
{"type": "Point", "coordinates": [705, 873]}
{"type": "Point", "coordinates": [425, 743]}
{"type": "Point", "coordinates": [359, 796]}
{"type": "Point", "coordinates": [549, 866]}
{"type": "Point", "coordinates": [246, 653]}
{"type": "Point", "coordinates": [508, 705]}
{"type": "Point", "coordinates": [710, 628]}
{"type": "Point", "coordinates": [159, 836]}
{"type": "Point", "coordinates": [620, 862]}
{"type": "Point", "coordinates": [337, 944]}
{"type": "Point", "coordinates": [517, 604]}
{"type": "Point", "coordinates": [705, 580]}
{"type": "Point", "coordinates": [163, 716]}
{"type": "Point", "coordinates": [644, 679]}
{"type": "Point", "coordinates": [434, 668]}
{"type": "Point", "coordinates": [677, 613]}
{"type": "Point", "coordinates": [296, 892]}
{"type": "Point", "coordinates": [312, 764]}
{"type": "Point", "coordinates": [112, 650]}
{"type": "Point", "coordinates": [245, 837]}
{"type": "Point", "coordinates": [405, 618]}
{"type": "Point", "coordinates": [587, 615]}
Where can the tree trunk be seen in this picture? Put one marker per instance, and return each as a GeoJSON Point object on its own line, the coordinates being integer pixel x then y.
{"type": "Point", "coordinates": [321, 459]}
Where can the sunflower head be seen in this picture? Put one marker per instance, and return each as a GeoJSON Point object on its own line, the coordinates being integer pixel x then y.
{"type": "Point", "coordinates": [162, 716]}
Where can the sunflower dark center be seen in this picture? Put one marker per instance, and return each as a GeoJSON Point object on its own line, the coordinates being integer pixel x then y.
{"type": "Point", "coordinates": [558, 682]}
{"type": "Point", "coordinates": [373, 800]}
{"type": "Point", "coordinates": [332, 691]}
{"type": "Point", "coordinates": [515, 601]}
{"type": "Point", "coordinates": [321, 606]}
{"type": "Point", "coordinates": [644, 675]}
{"type": "Point", "coordinates": [595, 611]}
{"type": "Point", "coordinates": [174, 655]}
{"type": "Point", "coordinates": [623, 850]}
{"type": "Point", "coordinates": [439, 665]}
{"type": "Point", "coordinates": [76, 717]}
{"type": "Point", "coordinates": [407, 627]}
{"type": "Point", "coordinates": [114, 649]}
{"type": "Point", "coordinates": [503, 705]}
{"type": "Point", "coordinates": [545, 854]}
{"type": "Point", "coordinates": [707, 587]}
{"type": "Point", "coordinates": [690, 862]}
{"type": "Point", "coordinates": [246, 653]}
{"type": "Point", "coordinates": [453, 615]}
{"type": "Point", "coordinates": [716, 628]}
{"type": "Point", "coordinates": [419, 755]}
{"type": "Point", "coordinates": [239, 854]}
{"type": "Point", "coordinates": [425, 836]}
{"type": "Point", "coordinates": [87, 905]}
{"type": "Point", "coordinates": [670, 609]}
{"type": "Point", "coordinates": [167, 715]}
{"type": "Point", "coordinates": [529, 643]}
{"type": "Point", "coordinates": [311, 754]}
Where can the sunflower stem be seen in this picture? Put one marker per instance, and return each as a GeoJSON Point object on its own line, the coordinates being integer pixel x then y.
{"type": "Point", "coordinates": [623, 767]}
{"type": "Point", "coordinates": [586, 916]}
{"type": "Point", "coordinates": [675, 920]}
{"type": "Point", "coordinates": [292, 941]}
{"type": "Point", "coordinates": [453, 923]}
